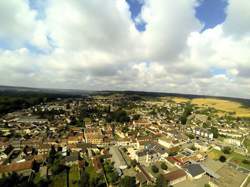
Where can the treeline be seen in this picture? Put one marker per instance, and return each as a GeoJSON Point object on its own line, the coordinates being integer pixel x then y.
{"type": "Point", "coordinates": [13, 101]}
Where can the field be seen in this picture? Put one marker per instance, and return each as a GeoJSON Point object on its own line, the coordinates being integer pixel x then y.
{"type": "Point", "coordinates": [219, 104]}
{"type": "Point", "coordinates": [215, 154]}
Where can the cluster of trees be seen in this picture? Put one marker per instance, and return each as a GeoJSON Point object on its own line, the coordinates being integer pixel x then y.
{"type": "Point", "coordinates": [120, 116]}
{"type": "Point", "coordinates": [48, 114]}
{"type": "Point", "coordinates": [111, 174]}
{"type": "Point", "coordinates": [127, 181]}
{"type": "Point", "coordinates": [187, 112]}
{"type": "Point", "coordinates": [11, 104]}
{"type": "Point", "coordinates": [215, 132]}
{"type": "Point", "coordinates": [227, 150]}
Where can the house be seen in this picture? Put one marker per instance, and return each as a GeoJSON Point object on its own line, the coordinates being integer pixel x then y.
{"type": "Point", "coordinates": [165, 141]}
{"type": "Point", "coordinates": [73, 140]}
{"type": "Point", "coordinates": [24, 168]}
{"type": "Point", "coordinates": [176, 177]}
{"type": "Point", "coordinates": [233, 141]}
{"type": "Point", "coordinates": [97, 164]}
{"type": "Point", "coordinates": [93, 136]}
{"type": "Point", "coordinates": [71, 159]}
{"type": "Point", "coordinates": [199, 132]}
{"type": "Point", "coordinates": [195, 171]}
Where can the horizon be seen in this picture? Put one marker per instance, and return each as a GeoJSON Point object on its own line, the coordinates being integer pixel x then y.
{"type": "Point", "coordinates": [135, 91]}
{"type": "Point", "coordinates": [199, 47]}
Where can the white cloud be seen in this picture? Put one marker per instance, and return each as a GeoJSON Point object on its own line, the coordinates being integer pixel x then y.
{"type": "Point", "coordinates": [98, 47]}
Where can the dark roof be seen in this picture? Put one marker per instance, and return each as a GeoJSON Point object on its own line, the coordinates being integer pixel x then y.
{"type": "Point", "coordinates": [194, 169]}
{"type": "Point", "coordinates": [175, 175]}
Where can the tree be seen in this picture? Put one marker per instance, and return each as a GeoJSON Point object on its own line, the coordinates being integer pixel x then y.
{"type": "Point", "coordinates": [187, 112]}
{"type": "Point", "coordinates": [222, 158]}
{"type": "Point", "coordinates": [206, 185]}
{"type": "Point", "coordinates": [164, 166]}
{"type": "Point", "coordinates": [227, 150]}
{"type": "Point", "coordinates": [161, 181]}
{"type": "Point", "coordinates": [154, 169]}
{"type": "Point", "coordinates": [133, 163]}
{"type": "Point", "coordinates": [128, 181]}
{"type": "Point", "coordinates": [215, 132]}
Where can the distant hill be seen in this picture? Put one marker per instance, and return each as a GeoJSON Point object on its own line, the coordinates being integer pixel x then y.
{"type": "Point", "coordinates": [12, 90]}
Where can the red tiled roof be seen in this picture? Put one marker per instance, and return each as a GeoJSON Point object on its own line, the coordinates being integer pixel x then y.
{"type": "Point", "coordinates": [175, 175]}
{"type": "Point", "coordinates": [16, 166]}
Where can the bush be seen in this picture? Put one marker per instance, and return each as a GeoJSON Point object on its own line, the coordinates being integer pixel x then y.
{"type": "Point", "coordinates": [155, 169]}
{"type": "Point", "coordinates": [245, 161]}
{"type": "Point", "coordinates": [222, 158]}
{"type": "Point", "coordinates": [227, 150]}
{"type": "Point", "coordinates": [164, 166]}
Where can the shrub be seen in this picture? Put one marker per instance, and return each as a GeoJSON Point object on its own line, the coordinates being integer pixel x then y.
{"type": "Point", "coordinates": [222, 158]}
{"type": "Point", "coordinates": [154, 169]}
{"type": "Point", "coordinates": [164, 166]}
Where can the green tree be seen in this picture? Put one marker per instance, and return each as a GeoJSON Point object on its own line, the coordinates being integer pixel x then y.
{"type": "Point", "coordinates": [128, 181]}
{"type": "Point", "coordinates": [215, 132]}
{"type": "Point", "coordinates": [161, 181]}
{"type": "Point", "coordinates": [222, 158]}
{"type": "Point", "coordinates": [227, 150]}
{"type": "Point", "coordinates": [164, 166]}
{"type": "Point", "coordinates": [154, 169]}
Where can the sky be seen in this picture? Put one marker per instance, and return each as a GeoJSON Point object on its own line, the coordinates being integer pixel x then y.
{"type": "Point", "coordinates": [192, 47]}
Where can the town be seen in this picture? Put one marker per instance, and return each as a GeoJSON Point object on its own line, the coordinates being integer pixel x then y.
{"type": "Point", "coordinates": [123, 140]}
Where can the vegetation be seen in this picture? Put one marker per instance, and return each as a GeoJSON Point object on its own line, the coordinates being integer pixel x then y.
{"type": "Point", "coordinates": [155, 169]}
{"type": "Point", "coordinates": [187, 111]}
{"type": "Point", "coordinates": [215, 132]}
{"type": "Point", "coordinates": [227, 150]}
{"type": "Point", "coordinates": [128, 181]}
{"type": "Point", "coordinates": [161, 181]}
{"type": "Point", "coordinates": [222, 158]}
{"type": "Point", "coordinates": [111, 174]}
{"type": "Point", "coordinates": [164, 166]}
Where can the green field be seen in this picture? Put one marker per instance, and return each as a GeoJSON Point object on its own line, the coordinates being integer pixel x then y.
{"type": "Point", "coordinates": [238, 158]}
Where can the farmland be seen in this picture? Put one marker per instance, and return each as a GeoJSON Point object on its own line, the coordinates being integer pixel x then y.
{"type": "Point", "coordinates": [223, 106]}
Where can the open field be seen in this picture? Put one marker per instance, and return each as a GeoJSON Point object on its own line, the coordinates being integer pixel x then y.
{"type": "Point", "coordinates": [219, 104]}
{"type": "Point", "coordinates": [215, 154]}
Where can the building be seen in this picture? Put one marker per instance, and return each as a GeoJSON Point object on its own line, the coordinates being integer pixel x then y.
{"type": "Point", "coordinates": [117, 158]}
{"type": "Point", "coordinates": [24, 168]}
{"type": "Point", "coordinates": [93, 136]}
{"type": "Point", "coordinates": [175, 177]}
{"type": "Point", "coordinates": [195, 171]}
{"type": "Point", "coordinates": [165, 141]}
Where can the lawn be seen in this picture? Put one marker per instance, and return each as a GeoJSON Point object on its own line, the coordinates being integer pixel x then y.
{"type": "Point", "coordinates": [238, 158]}
{"type": "Point", "coordinates": [215, 154]}
{"type": "Point", "coordinates": [59, 180]}
{"type": "Point", "coordinates": [74, 176]}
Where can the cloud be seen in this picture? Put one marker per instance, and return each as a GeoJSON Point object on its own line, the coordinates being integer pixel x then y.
{"type": "Point", "coordinates": [95, 45]}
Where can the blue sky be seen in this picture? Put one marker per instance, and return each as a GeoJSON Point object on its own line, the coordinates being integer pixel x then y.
{"type": "Point", "coordinates": [209, 12]}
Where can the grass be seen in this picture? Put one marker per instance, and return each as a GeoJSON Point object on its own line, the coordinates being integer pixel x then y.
{"type": "Point", "coordinates": [223, 106]}
{"type": "Point", "coordinates": [59, 180]}
{"type": "Point", "coordinates": [233, 157]}
{"type": "Point", "coordinates": [215, 154]}
{"type": "Point", "coordinates": [238, 158]}
{"type": "Point", "coordinates": [74, 176]}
